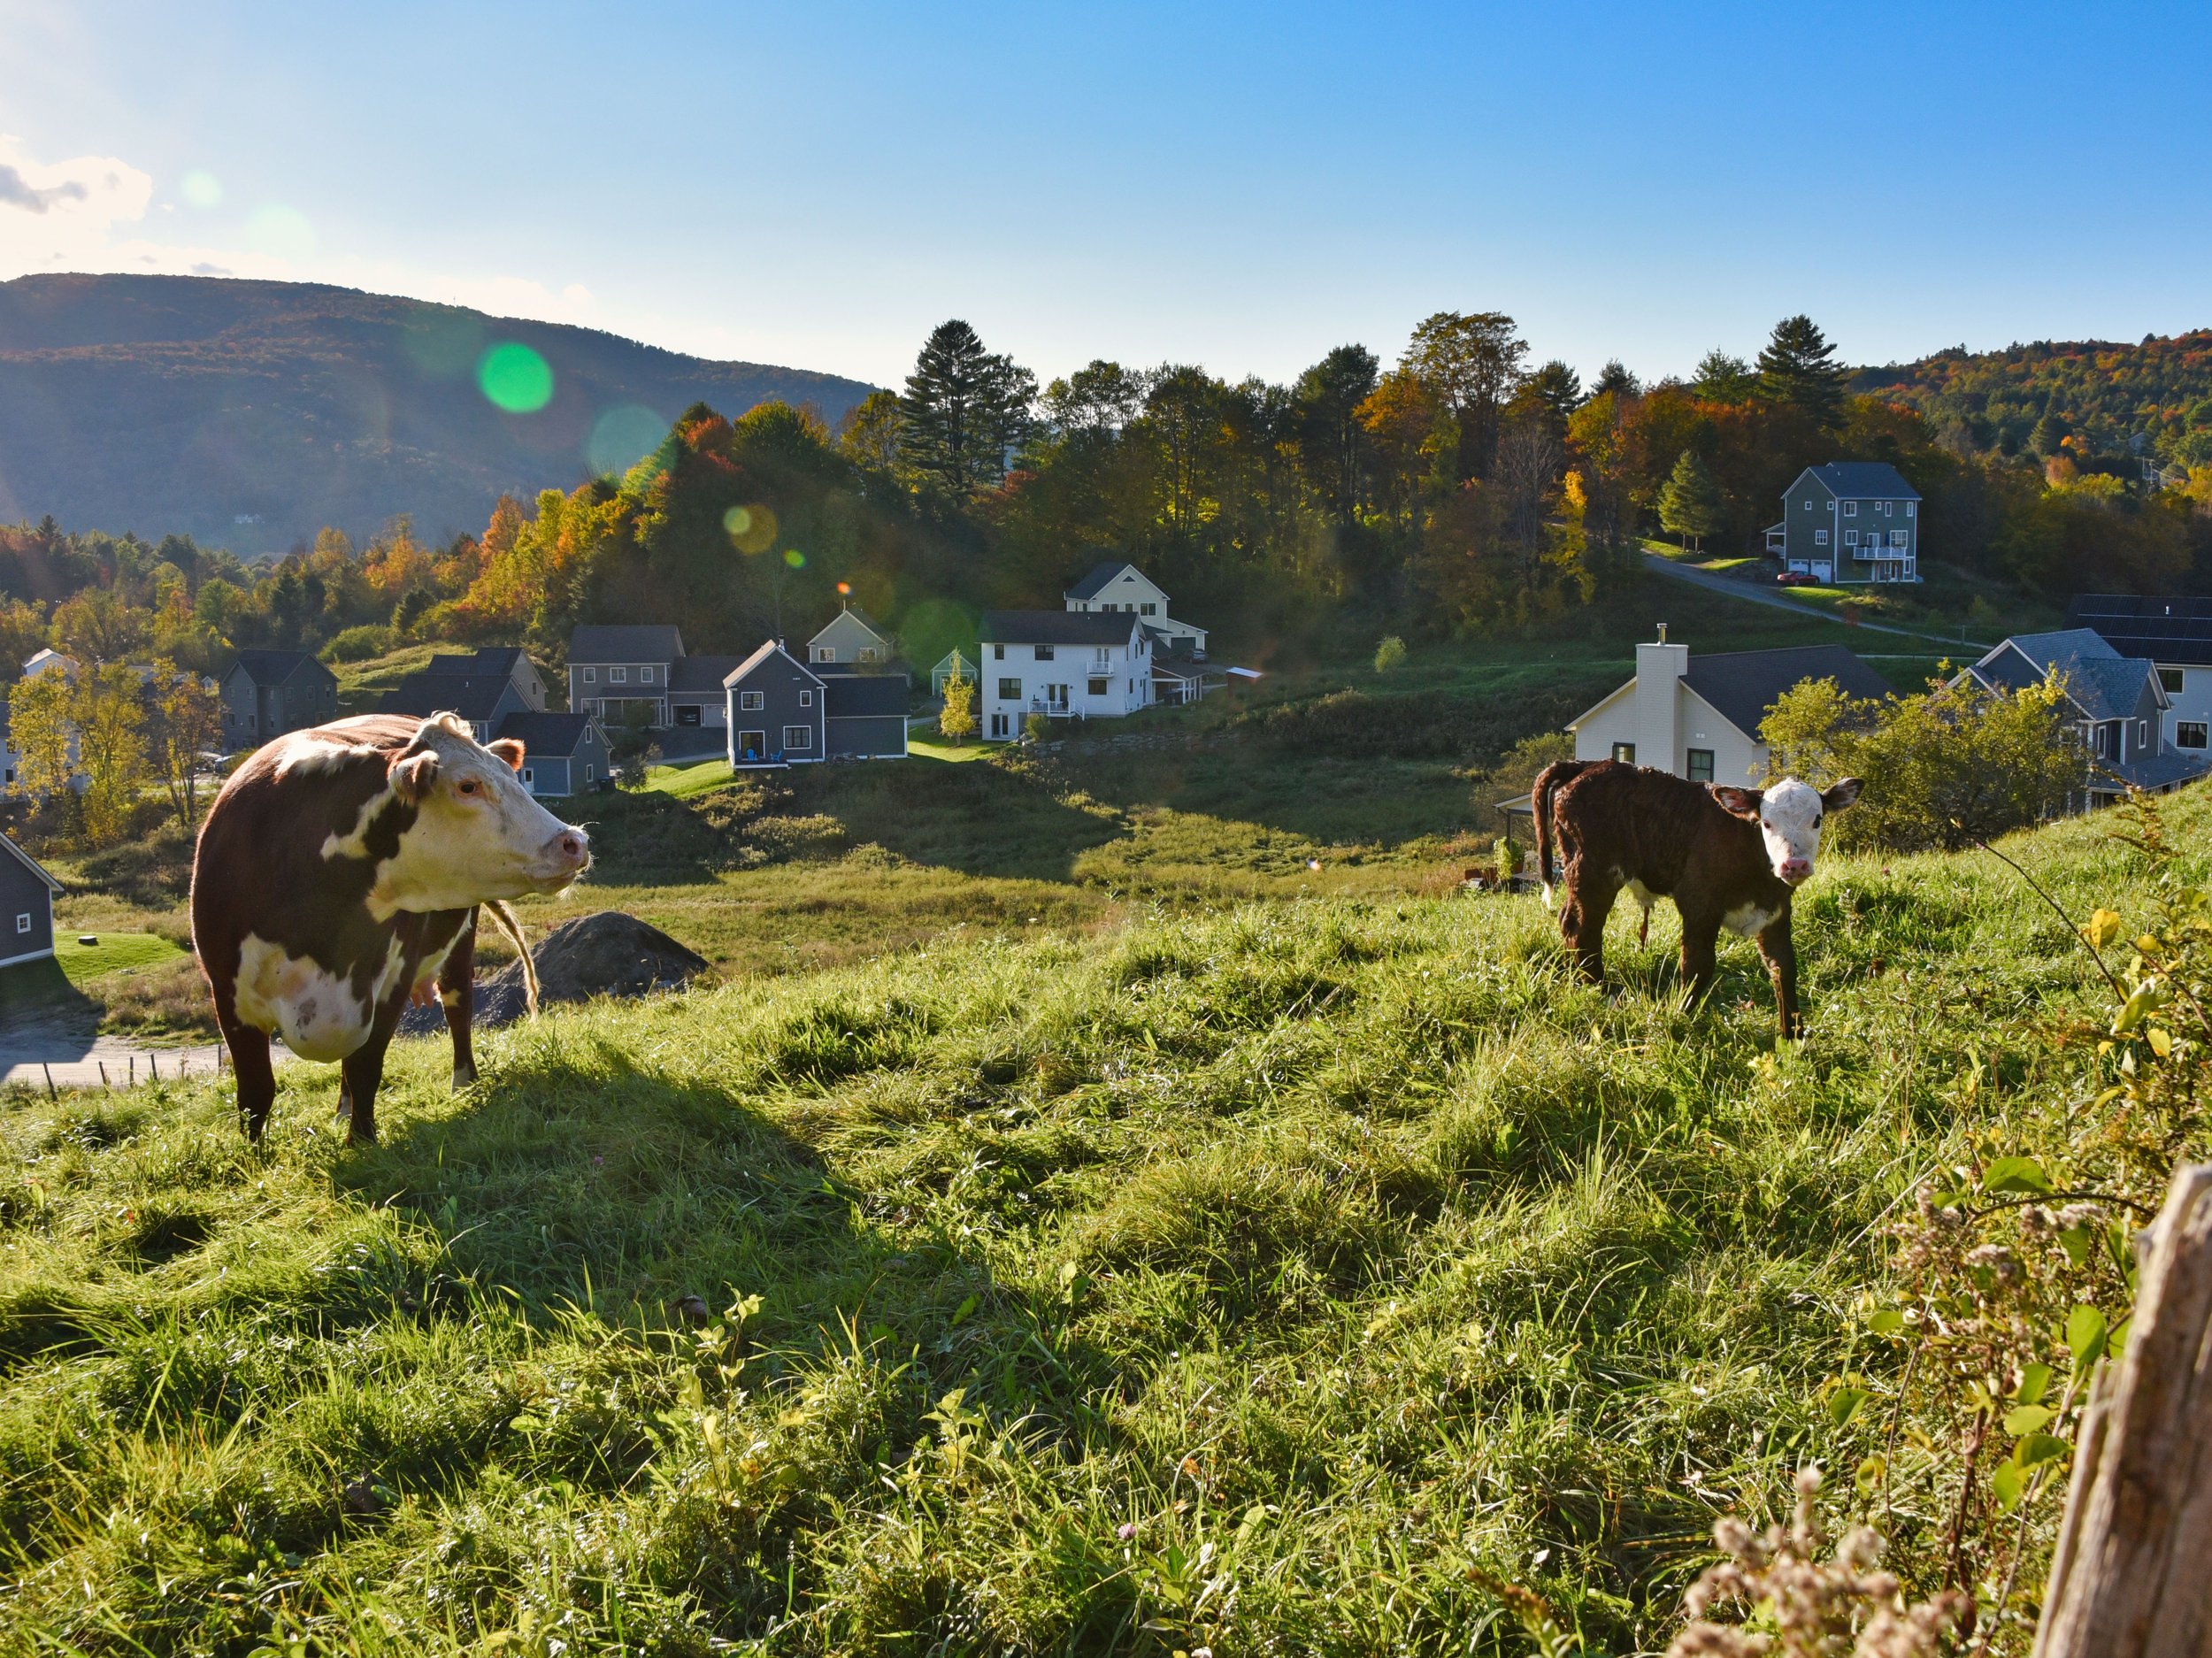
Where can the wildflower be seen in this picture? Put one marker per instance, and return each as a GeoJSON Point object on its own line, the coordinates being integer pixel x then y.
{"type": "Point", "coordinates": [2076, 1215]}
{"type": "Point", "coordinates": [1998, 1261]}
{"type": "Point", "coordinates": [1128, 1529]}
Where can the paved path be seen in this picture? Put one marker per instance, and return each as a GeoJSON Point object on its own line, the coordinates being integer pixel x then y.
{"type": "Point", "coordinates": [74, 1058]}
{"type": "Point", "coordinates": [1736, 590]}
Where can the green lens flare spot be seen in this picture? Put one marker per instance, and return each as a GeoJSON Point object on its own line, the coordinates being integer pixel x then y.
{"type": "Point", "coordinates": [513, 377]}
{"type": "Point", "coordinates": [795, 559]}
{"type": "Point", "coordinates": [737, 520]}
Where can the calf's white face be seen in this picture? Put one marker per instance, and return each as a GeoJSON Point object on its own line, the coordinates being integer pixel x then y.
{"type": "Point", "coordinates": [1789, 815]}
{"type": "Point", "coordinates": [477, 834]}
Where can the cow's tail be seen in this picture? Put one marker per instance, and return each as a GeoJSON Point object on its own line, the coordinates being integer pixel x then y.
{"type": "Point", "coordinates": [1549, 781]}
{"type": "Point", "coordinates": [507, 923]}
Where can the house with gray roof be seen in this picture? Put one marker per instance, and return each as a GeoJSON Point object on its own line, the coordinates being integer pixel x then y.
{"type": "Point", "coordinates": [1699, 717]}
{"type": "Point", "coordinates": [1065, 665]}
{"type": "Point", "coordinates": [852, 637]}
{"type": "Point", "coordinates": [26, 906]}
{"type": "Point", "coordinates": [2176, 635]}
{"type": "Point", "coordinates": [780, 713]}
{"type": "Point", "coordinates": [562, 753]}
{"type": "Point", "coordinates": [1849, 523]}
{"type": "Point", "coordinates": [619, 673]}
{"type": "Point", "coordinates": [506, 661]}
{"type": "Point", "coordinates": [484, 700]}
{"type": "Point", "coordinates": [1117, 587]}
{"type": "Point", "coordinates": [2117, 703]}
{"type": "Point", "coordinates": [268, 692]}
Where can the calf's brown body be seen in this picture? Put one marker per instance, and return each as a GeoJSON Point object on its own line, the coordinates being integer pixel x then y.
{"type": "Point", "coordinates": [1619, 825]}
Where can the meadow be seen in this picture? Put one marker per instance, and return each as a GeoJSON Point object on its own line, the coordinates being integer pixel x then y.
{"type": "Point", "coordinates": [1259, 1276]}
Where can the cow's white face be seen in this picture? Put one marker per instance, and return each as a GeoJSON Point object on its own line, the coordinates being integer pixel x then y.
{"type": "Point", "coordinates": [478, 835]}
{"type": "Point", "coordinates": [1789, 815]}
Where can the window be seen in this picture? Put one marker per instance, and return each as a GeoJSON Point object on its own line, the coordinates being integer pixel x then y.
{"type": "Point", "coordinates": [869, 653]}
{"type": "Point", "coordinates": [1104, 655]}
{"type": "Point", "coordinates": [999, 723]}
{"type": "Point", "coordinates": [2104, 741]}
{"type": "Point", "coordinates": [645, 676]}
{"type": "Point", "coordinates": [998, 653]}
{"type": "Point", "coordinates": [1625, 753]}
{"type": "Point", "coordinates": [616, 676]}
{"type": "Point", "coordinates": [2170, 680]}
{"type": "Point", "coordinates": [1149, 610]}
{"type": "Point", "coordinates": [826, 653]}
{"type": "Point", "coordinates": [797, 737]}
{"type": "Point", "coordinates": [1820, 538]}
{"type": "Point", "coordinates": [806, 699]}
{"type": "Point", "coordinates": [23, 922]}
{"type": "Point", "coordinates": [2142, 733]}
{"type": "Point", "coordinates": [2193, 733]}
{"type": "Point", "coordinates": [1009, 690]}
{"type": "Point", "coordinates": [1097, 685]}
{"type": "Point", "coordinates": [591, 774]}
{"type": "Point", "coordinates": [1851, 538]}
{"type": "Point", "coordinates": [1897, 538]}
{"type": "Point", "coordinates": [591, 676]}
{"type": "Point", "coordinates": [1909, 505]}
{"type": "Point", "coordinates": [1887, 507]}
{"type": "Point", "coordinates": [1044, 653]}
{"type": "Point", "coordinates": [1850, 508]}
{"type": "Point", "coordinates": [752, 745]}
{"type": "Point", "coordinates": [752, 701]}
{"type": "Point", "coordinates": [1809, 504]}
{"type": "Point", "coordinates": [526, 778]}
{"type": "Point", "coordinates": [1700, 766]}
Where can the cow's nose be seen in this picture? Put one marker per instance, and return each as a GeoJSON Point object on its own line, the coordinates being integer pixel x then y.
{"type": "Point", "coordinates": [574, 847]}
{"type": "Point", "coordinates": [1796, 868]}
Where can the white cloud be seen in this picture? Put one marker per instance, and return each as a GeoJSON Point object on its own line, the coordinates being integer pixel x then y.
{"type": "Point", "coordinates": [56, 212]}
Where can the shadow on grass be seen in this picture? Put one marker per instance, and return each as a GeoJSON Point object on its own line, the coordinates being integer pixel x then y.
{"type": "Point", "coordinates": [40, 992]}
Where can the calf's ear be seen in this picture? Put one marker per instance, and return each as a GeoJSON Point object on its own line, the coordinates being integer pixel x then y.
{"type": "Point", "coordinates": [1838, 795]}
{"type": "Point", "coordinates": [411, 776]}
{"type": "Point", "coordinates": [508, 748]}
{"type": "Point", "coordinates": [1744, 802]}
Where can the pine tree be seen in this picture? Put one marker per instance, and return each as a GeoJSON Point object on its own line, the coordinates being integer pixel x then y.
{"type": "Point", "coordinates": [1798, 370]}
{"type": "Point", "coordinates": [1690, 504]}
{"type": "Point", "coordinates": [965, 412]}
{"type": "Point", "coordinates": [1724, 379]}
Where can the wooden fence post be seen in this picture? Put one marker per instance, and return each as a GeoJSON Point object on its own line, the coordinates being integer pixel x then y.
{"type": "Point", "coordinates": [2131, 1577]}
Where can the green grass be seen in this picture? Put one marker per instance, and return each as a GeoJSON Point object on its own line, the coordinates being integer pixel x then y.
{"type": "Point", "coordinates": [1238, 1277]}
{"type": "Point", "coordinates": [116, 952]}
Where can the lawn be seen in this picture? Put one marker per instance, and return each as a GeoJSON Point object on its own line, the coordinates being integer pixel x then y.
{"type": "Point", "coordinates": [115, 952]}
{"type": "Point", "coordinates": [1255, 1278]}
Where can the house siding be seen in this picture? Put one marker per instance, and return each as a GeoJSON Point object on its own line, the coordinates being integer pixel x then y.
{"type": "Point", "coordinates": [1126, 671]}
{"type": "Point", "coordinates": [781, 682]}
{"type": "Point", "coordinates": [23, 894]}
{"type": "Point", "coordinates": [850, 640]}
{"type": "Point", "coordinates": [254, 713]}
{"type": "Point", "coordinates": [1811, 511]}
{"type": "Point", "coordinates": [867, 737]}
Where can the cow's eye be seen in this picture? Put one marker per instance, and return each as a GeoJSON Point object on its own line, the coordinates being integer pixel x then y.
{"type": "Point", "coordinates": [1816, 820]}
{"type": "Point", "coordinates": [468, 786]}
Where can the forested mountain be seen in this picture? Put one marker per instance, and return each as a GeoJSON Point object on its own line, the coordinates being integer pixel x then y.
{"type": "Point", "coordinates": [2150, 399]}
{"type": "Point", "coordinates": [250, 415]}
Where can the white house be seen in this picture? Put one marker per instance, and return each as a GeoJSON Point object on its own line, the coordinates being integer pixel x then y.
{"type": "Point", "coordinates": [1064, 664]}
{"type": "Point", "coordinates": [1115, 587]}
{"type": "Point", "coordinates": [1700, 718]}
{"type": "Point", "coordinates": [2176, 636]}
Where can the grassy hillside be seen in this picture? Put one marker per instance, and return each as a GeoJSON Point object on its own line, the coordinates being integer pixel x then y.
{"type": "Point", "coordinates": [1238, 1278]}
{"type": "Point", "coordinates": [251, 414]}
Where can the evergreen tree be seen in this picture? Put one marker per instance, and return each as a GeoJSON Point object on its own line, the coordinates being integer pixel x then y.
{"type": "Point", "coordinates": [1331, 436]}
{"type": "Point", "coordinates": [1798, 370]}
{"type": "Point", "coordinates": [1724, 379]}
{"type": "Point", "coordinates": [956, 720]}
{"type": "Point", "coordinates": [1689, 503]}
{"type": "Point", "coordinates": [1615, 378]}
{"type": "Point", "coordinates": [965, 412]}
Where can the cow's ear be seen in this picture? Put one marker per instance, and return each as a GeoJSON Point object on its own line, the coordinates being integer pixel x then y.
{"type": "Point", "coordinates": [411, 775]}
{"type": "Point", "coordinates": [1743, 802]}
{"type": "Point", "coordinates": [508, 748]}
{"type": "Point", "coordinates": [1838, 795]}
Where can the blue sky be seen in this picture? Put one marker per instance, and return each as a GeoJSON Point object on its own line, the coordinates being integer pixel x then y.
{"type": "Point", "coordinates": [1237, 185]}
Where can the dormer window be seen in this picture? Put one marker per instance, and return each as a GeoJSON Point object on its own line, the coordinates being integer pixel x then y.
{"type": "Point", "coordinates": [645, 676]}
{"type": "Point", "coordinates": [616, 676]}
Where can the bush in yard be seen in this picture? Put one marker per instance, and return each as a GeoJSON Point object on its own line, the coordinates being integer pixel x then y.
{"type": "Point", "coordinates": [358, 644]}
{"type": "Point", "coordinates": [1036, 728]}
{"type": "Point", "coordinates": [1390, 655]}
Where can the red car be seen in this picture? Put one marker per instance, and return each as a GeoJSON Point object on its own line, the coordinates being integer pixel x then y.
{"type": "Point", "coordinates": [1797, 579]}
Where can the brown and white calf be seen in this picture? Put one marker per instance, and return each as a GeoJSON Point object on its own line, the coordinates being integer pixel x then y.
{"type": "Point", "coordinates": [1729, 857]}
{"type": "Point", "coordinates": [339, 873]}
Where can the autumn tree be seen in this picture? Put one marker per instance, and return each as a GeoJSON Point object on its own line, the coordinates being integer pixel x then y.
{"type": "Point", "coordinates": [1470, 363]}
{"type": "Point", "coordinates": [1690, 505]}
{"type": "Point", "coordinates": [956, 720]}
{"type": "Point", "coordinates": [869, 435]}
{"type": "Point", "coordinates": [40, 730]}
{"type": "Point", "coordinates": [109, 712]}
{"type": "Point", "coordinates": [965, 412]}
{"type": "Point", "coordinates": [187, 723]}
{"type": "Point", "coordinates": [1798, 371]}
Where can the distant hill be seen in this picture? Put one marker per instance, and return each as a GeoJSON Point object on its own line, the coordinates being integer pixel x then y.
{"type": "Point", "coordinates": [251, 414]}
{"type": "Point", "coordinates": [2032, 397]}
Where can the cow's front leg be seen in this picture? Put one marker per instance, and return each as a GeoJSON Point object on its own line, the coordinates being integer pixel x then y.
{"type": "Point", "coordinates": [456, 992]}
{"type": "Point", "coordinates": [362, 1070]}
{"type": "Point", "coordinates": [1779, 952]}
{"type": "Point", "coordinates": [250, 1066]}
{"type": "Point", "coordinates": [1699, 936]}
{"type": "Point", "coordinates": [1582, 919]}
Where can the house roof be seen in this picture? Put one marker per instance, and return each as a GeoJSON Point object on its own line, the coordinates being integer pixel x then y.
{"type": "Point", "coordinates": [1057, 627]}
{"type": "Point", "coordinates": [500, 659]}
{"type": "Point", "coordinates": [29, 863]}
{"type": "Point", "coordinates": [897, 668]}
{"type": "Point", "coordinates": [1742, 684]}
{"type": "Point", "coordinates": [860, 616]}
{"type": "Point", "coordinates": [2156, 771]}
{"type": "Point", "coordinates": [2177, 631]}
{"type": "Point", "coordinates": [700, 675]}
{"type": "Point", "coordinates": [555, 736]}
{"type": "Point", "coordinates": [847, 695]}
{"type": "Point", "coordinates": [2103, 683]}
{"type": "Point", "coordinates": [1863, 480]}
{"type": "Point", "coordinates": [473, 696]}
{"type": "Point", "coordinates": [274, 667]}
{"type": "Point", "coordinates": [647, 641]}
{"type": "Point", "coordinates": [771, 648]}
{"type": "Point", "coordinates": [1095, 583]}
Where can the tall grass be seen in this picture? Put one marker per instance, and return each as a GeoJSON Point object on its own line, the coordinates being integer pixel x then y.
{"type": "Point", "coordinates": [1255, 1279]}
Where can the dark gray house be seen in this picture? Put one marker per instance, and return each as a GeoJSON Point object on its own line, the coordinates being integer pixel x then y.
{"type": "Point", "coordinates": [501, 662]}
{"type": "Point", "coordinates": [484, 700]}
{"type": "Point", "coordinates": [562, 753]}
{"type": "Point", "coordinates": [2117, 702]}
{"type": "Point", "coordinates": [695, 693]}
{"type": "Point", "coordinates": [782, 712]}
{"type": "Point", "coordinates": [618, 671]}
{"type": "Point", "coordinates": [1849, 522]}
{"type": "Point", "coordinates": [26, 906]}
{"type": "Point", "coordinates": [2174, 633]}
{"type": "Point", "coordinates": [271, 692]}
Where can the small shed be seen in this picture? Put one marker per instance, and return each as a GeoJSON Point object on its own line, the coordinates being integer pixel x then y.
{"type": "Point", "coordinates": [26, 906]}
{"type": "Point", "coordinates": [955, 662]}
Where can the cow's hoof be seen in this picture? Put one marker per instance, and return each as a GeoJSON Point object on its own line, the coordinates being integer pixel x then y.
{"type": "Point", "coordinates": [464, 1078]}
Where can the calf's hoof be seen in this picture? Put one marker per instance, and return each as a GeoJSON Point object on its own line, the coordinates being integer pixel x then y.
{"type": "Point", "coordinates": [463, 1076]}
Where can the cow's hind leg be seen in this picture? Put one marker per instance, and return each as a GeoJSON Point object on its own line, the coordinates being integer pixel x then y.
{"type": "Point", "coordinates": [1582, 920]}
{"type": "Point", "coordinates": [1780, 952]}
{"type": "Point", "coordinates": [250, 1066]}
{"type": "Point", "coordinates": [364, 1072]}
{"type": "Point", "coordinates": [1699, 936]}
{"type": "Point", "coordinates": [456, 981]}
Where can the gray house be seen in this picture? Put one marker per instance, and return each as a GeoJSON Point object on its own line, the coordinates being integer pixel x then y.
{"type": "Point", "coordinates": [562, 753]}
{"type": "Point", "coordinates": [2176, 634]}
{"type": "Point", "coordinates": [503, 662]}
{"type": "Point", "coordinates": [619, 672]}
{"type": "Point", "coordinates": [1849, 522]}
{"type": "Point", "coordinates": [26, 906]}
{"type": "Point", "coordinates": [484, 700]}
{"type": "Point", "coordinates": [271, 692]}
{"type": "Point", "coordinates": [782, 712]}
{"type": "Point", "coordinates": [852, 637]}
{"type": "Point", "coordinates": [2117, 705]}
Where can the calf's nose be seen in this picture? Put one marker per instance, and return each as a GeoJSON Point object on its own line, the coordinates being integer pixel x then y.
{"type": "Point", "coordinates": [1796, 868]}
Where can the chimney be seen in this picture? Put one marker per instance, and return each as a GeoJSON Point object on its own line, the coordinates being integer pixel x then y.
{"type": "Point", "coordinates": [1659, 670]}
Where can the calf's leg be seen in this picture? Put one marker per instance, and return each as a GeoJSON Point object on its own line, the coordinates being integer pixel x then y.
{"type": "Point", "coordinates": [1780, 955]}
{"type": "Point", "coordinates": [250, 1066]}
{"type": "Point", "coordinates": [1699, 934]}
{"type": "Point", "coordinates": [1582, 919]}
{"type": "Point", "coordinates": [456, 981]}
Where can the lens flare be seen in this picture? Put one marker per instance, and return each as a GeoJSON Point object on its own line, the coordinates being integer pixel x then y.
{"type": "Point", "coordinates": [794, 557]}
{"type": "Point", "coordinates": [514, 378]}
{"type": "Point", "coordinates": [845, 587]}
{"type": "Point", "coordinates": [281, 230]}
{"type": "Point", "coordinates": [623, 436]}
{"type": "Point", "coordinates": [201, 189]}
{"type": "Point", "coordinates": [753, 529]}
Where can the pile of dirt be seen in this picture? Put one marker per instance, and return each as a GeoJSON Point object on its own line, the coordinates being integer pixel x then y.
{"type": "Point", "coordinates": [607, 954]}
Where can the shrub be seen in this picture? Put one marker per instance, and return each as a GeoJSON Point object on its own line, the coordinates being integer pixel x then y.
{"type": "Point", "coordinates": [358, 644]}
{"type": "Point", "coordinates": [1037, 727]}
{"type": "Point", "coordinates": [1390, 655]}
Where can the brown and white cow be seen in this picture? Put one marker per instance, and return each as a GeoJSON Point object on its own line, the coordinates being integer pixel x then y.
{"type": "Point", "coordinates": [339, 873]}
{"type": "Point", "coordinates": [1729, 857]}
